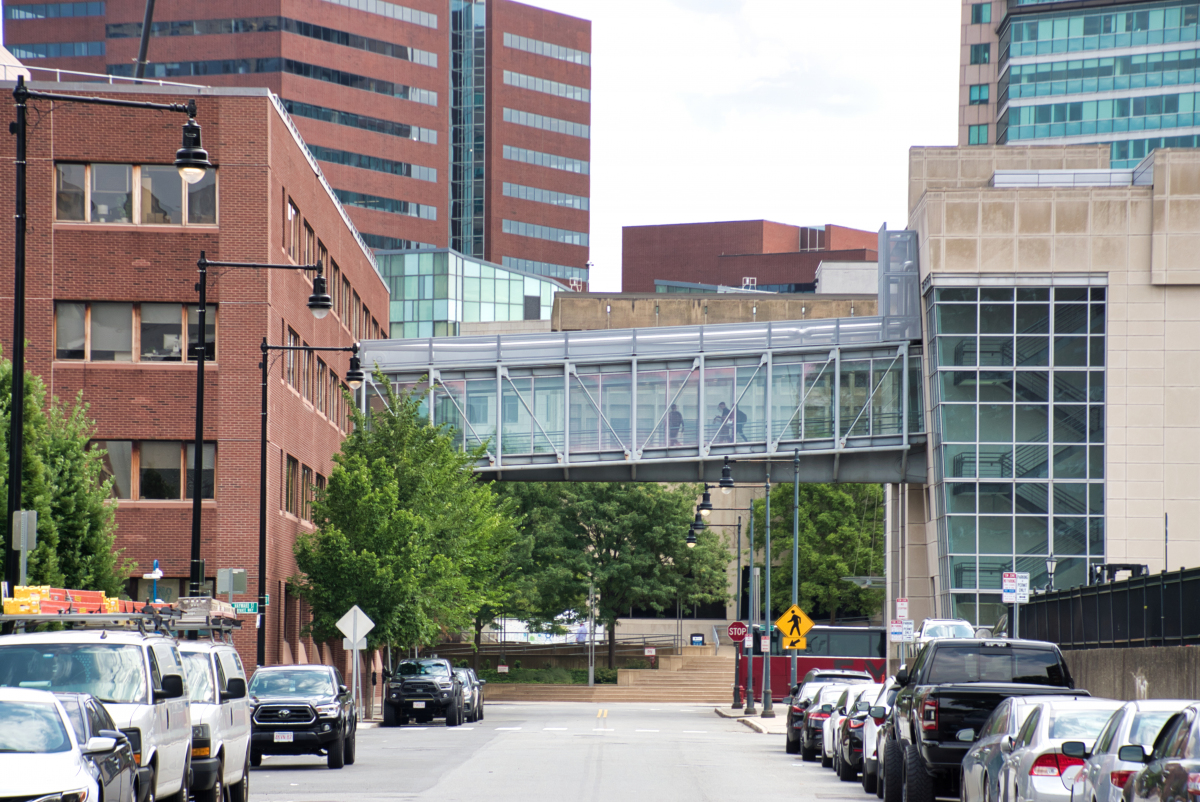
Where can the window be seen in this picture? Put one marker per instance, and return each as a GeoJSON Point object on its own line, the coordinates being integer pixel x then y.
{"type": "Point", "coordinates": [306, 493]}
{"type": "Point", "coordinates": [57, 49]}
{"type": "Point", "coordinates": [979, 94]}
{"type": "Point", "coordinates": [551, 123]}
{"type": "Point", "coordinates": [291, 485]}
{"type": "Point", "coordinates": [548, 87]}
{"type": "Point", "coordinates": [322, 254]}
{"type": "Point", "coordinates": [547, 196]}
{"type": "Point", "coordinates": [346, 307]}
{"type": "Point", "coordinates": [306, 374]}
{"type": "Point", "coordinates": [977, 135]}
{"type": "Point", "coordinates": [153, 469]}
{"type": "Point", "coordinates": [104, 193]}
{"type": "Point", "coordinates": [52, 10]}
{"type": "Point", "coordinates": [335, 287]}
{"type": "Point", "coordinates": [293, 341]}
{"type": "Point", "coordinates": [546, 49]}
{"type": "Point", "coordinates": [309, 244]}
{"type": "Point", "coordinates": [545, 232]}
{"type": "Point", "coordinates": [386, 127]}
{"type": "Point", "coordinates": [389, 205]}
{"type": "Point", "coordinates": [355, 316]}
{"type": "Point", "coordinates": [546, 160]}
{"type": "Point", "coordinates": [129, 332]}
{"type": "Point", "coordinates": [981, 13]}
{"type": "Point", "coordinates": [981, 54]}
{"type": "Point", "coordinates": [293, 232]}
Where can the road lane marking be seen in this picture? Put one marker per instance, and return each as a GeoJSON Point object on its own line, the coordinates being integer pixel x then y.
{"type": "Point", "coordinates": [414, 729]}
{"type": "Point", "coordinates": [507, 729]}
{"type": "Point", "coordinates": [645, 730]}
{"type": "Point", "coordinates": [554, 729]}
{"type": "Point", "coordinates": [603, 729]}
{"type": "Point", "coordinates": [695, 732]}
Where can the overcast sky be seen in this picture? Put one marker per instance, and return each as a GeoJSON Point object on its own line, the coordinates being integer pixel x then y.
{"type": "Point", "coordinates": [797, 111]}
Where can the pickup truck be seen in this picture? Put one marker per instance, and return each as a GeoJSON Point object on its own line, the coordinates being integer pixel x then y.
{"type": "Point", "coordinates": [944, 698]}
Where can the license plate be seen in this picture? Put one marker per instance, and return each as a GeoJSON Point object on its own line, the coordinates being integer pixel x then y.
{"type": "Point", "coordinates": [283, 737]}
{"type": "Point", "coordinates": [418, 705]}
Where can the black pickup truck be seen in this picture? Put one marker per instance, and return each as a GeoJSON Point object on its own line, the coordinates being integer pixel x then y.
{"type": "Point", "coordinates": [952, 687]}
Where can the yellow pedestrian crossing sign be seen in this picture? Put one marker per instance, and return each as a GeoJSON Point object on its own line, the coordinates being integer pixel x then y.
{"type": "Point", "coordinates": [793, 625]}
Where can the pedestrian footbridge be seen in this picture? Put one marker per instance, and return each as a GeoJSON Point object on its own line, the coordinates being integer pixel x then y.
{"type": "Point", "coordinates": [669, 404]}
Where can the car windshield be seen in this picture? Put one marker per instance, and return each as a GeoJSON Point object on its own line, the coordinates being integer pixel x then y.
{"type": "Point", "coordinates": [198, 669]}
{"type": "Point", "coordinates": [32, 727]}
{"type": "Point", "coordinates": [111, 672]}
{"type": "Point", "coordinates": [982, 663]}
{"type": "Point", "coordinates": [1078, 724]}
{"type": "Point", "coordinates": [1147, 725]}
{"type": "Point", "coordinates": [422, 670]}
{"type": "Point", "coordinates": [291, 683]}
{"type": "Point", "coordinates": [949, 631]}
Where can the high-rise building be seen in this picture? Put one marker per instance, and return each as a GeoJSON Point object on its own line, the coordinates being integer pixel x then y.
{"type": "Point", "coordinates": [440, 123]}
{"type": "Point", "coordinates": [1081, 72]}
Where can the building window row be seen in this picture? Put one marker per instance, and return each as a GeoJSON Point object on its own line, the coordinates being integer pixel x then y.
{"type": "Point", "coordinates": [53, 10]}
{"type": "Point", "coordinates": [1129, 152]}
{"type": "Point", "coordinates": [57, 49]}
{"type": "Point", "coordinates": [112, 331]}
{"type": "Point", "coordinates": [363, 82]}
{"type": "Point", "coordinates": [545, 196]}
{"type": "Point", "coordinates": [389, 205]}
{"type": "Point", "coordinates": [301, 486]}
{"type": "Point", "coordinates": [185, 69]}
{"type": "Point", "coordinates": [545, 232]}
{"type": "Point", "coordinates": [545, 268]}
{"type": "Point", "coordinates": [379, 242]}
{"type": "Point", "coordinates": [977, 135]}
{"type": "Point", "coordinates": [373, 163]}
{"type": "Point", "coordinates": [207, 27]}
{"type": "Point", "coordinates": [315, 381]}
{"type": "Point", "coordinates": [979, 94]}
{"type": "Point", "coordinates": [1177, 68]}
{"type": "Point", "coordinates": [981, 13]}
{"type": "Point", "coordinates": [546, 160]}
{"type": "Point", "coordinates": [391, 10]}
{"type": "Point", "coordinates": [548, 87]}
{"type": "Point", "coordinates": [546, 49]}
{"type": "Point", "coordinates": [350, 120]}
{"type": "Point", "coordinates": [546, 123]}
{"type": "Point", "coordinates": [1075, 31]}
{"type": "Point", "coordinates": [1100, 116]}
{"type": "Point", "coordinates": [157, 470]}
{"type": "Point", "coordinates": [105, 193]}
{"type": "Point", "coordinates": [981, 54]}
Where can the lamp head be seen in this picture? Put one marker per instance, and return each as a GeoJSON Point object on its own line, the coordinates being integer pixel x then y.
{"type": "Point", "coordinates": [705, 507]}
{"type": "Point", "coordinates": [191, 160]}
{"type": "Point", "coordinates": [691, 540]}
{"type": "Point", "coordinates": [319, 303]}
{"type": "Point", "coordinates": [726, 483]}
{"type": "Point", "coordinates": [354, 376]}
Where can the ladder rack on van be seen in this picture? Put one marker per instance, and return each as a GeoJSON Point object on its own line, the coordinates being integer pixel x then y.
{"type": "Point", "coordinates": [154, 620]}
{"type": "Point", "coordinates": [219, 627]}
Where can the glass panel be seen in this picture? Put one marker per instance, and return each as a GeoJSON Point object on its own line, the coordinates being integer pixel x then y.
{"type": "Point", "coordinates": [656, 426]}
{"type": "Point", "coordinates": [1032, 423]}
{"type": "Point", "coordinates": [960, 461]}
{"type": "Point", "coordinates": [447, 401]}
{"type": "Point", "coordinates": [718, 396]}
{"type": "Point", "coordinates": [1070, 351]}
{"type": "Point", "coordinates": [585, 420]}
{"type": "Point", "coordinates": [995, 423]}
{"type": "Point", "coordinates": [162, 196]}
{"type": "Point", "coordinates": [958, 351]}
{"type": "Point", "coordinates": [210, 332]}
{"type": "Point", "coordinates": [991, 572]}
{"type": "Point", "coordinates": [1033, 351]}
{"type": "Point", "coordinates": [687, 384]}
{"type": "Point", "coordinates": [1033, 293]}
{"type": "Point", "coordinates": [69, 191]}
{"type": "Point", "coordinates": [887, 400]}
{"type": "Point", "coordinates": [787, 388]}
{"type": "Point", "coordinates": [1031, 462]}
{"type": "Point", "coordinates": [158, 477]}
{"type": "Point", "coordinates": [818, 401]}
{"type": "Point", "coordinates": [960, 497]}
{"type": "Point", "coordinates": [996, 318]}
{"type": "Point", "coordinates": [995, 385]}
{"type": "Point", "coordinates": [1033, 318]}
{"type": "Point", "coordinates": [749, 410]}
{"type": "Point", "coordinates": [118, 465]}
{"type": "Point", "coordinates": [1096, 531]}
{"type": "Point", "coordinates": [855, 386]}
{"type": "Point", "coordinates": [956, 319]}
{"type": "Point", "coordinates": [112, 332]}
{"type": "Point", "coordinates": [1070, 535]}
{"type": "Point", "coordinates": [958, 423]}
{"type": "Point", "coordinates": [1070, 424]}
{"type": "Point", "coordinates": [1070, 318]}
{"type": "Point", "coordinates": [112, 193]}
{"type": "Point", "coordinates": [961, 532]}
{"type": "Point", "coordinates": [202, 199]}
{"type": "Point", "coordinates": [956, 294]}
{"type": "Point", "coordinates": [959, 385]}
{"type": "Point", "coordinates": [996, 498]}
{"type": "Point", "coordinates": [963, 573]}
{"type": "Point", "coordinates": [1070, 462]}
{"type": "Point", "coordinates": [1036, 568]}
{"type": "Point", "coordinates": [1070, 499]}
{"type": "Point", "coordinates": [617, 403]}
{"type": "Point", "coordinates": [550, 408]}
{"type": "Point", "coordinates": [1032, 385]}
{"type": "Point", "coordinates": [481, 413]}
{"type": "Point", "coordinates": [1096, 386]}
{"type": "Point", "coordinates": [995, 462]}
{"type": "Point", "coordinates": [518, 423]}
{"type": "Point", "coordinates": [1070, 573]}
{"type": "Point", "coordinates": [68, 330]}
{"type": "Point", "coordinates": [995, 534]}
{"type": "Point", "coordinates": [162, 331]}
{"type": "Point", "coordinates": [1096, 424]}
{"type": "Point", "coordinates": [996, 351]}
{"type": "Point", "coordinates": [1032, 534]}
{"type": "Point", "coordinates": [208, 458]}
{"type": "Point", "coordinates": [1070, 386]}
{"type": "Point", "coordinates": [1032, 498]}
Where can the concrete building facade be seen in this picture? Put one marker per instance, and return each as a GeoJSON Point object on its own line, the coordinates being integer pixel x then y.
{"type": "Point", "coordinates": [113, 239]}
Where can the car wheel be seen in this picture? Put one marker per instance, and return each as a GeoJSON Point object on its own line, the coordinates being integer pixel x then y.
{"type": "Point", "coordinates": [807, 753]}
{"type": "Point", "coordinates": [240, 790]}
{"type": "Point", "coordinates": [152, 792]}
{"type": "Point", "coordinates": [480, 709]}
{"type": "Point", "coordinates": [389, 715]}
{"type": "Point", "coordinates": [255, 758]}
{"type": "Point", "coordinates": [868, 780]}
{"type": "Point", "coordinates": [893, 771]}
{"type": "Point", "coordinates": [453, 716]}
{"type": "Point", "coordinates": [791, 745]}
{"type": "Point", "coordinates": [348, 751]}
{"type": "Point", "coordinates": [846, 771]}
{"type": "Point", "coordinates": [918, 785]}
{"type": "Point", "coordinates": [337, 757]}
{"type": "Point", "coordinates": [217, 792]}
{"type": "Point", "coordinates": [182, 794]}
{"type": "Point", "coordinates": [826, 760]}
{"type": "Point", "coordinates": [878, 775]}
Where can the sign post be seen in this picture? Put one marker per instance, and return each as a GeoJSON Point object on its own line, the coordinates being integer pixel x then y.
{"type": "Point", "coordinates": [1015, 590]}
{"type": "Point", "coordinates": [902, 608]}
{"type": "Point", "coordinates": [896, 630]}
{"type": "Point", "coordinates": [24, 537]}
{"type": "Point", "coordinates": [355, 625]}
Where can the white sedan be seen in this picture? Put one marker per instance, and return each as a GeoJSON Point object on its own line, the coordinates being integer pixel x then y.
{"type": "Point", "coordinates": [1037, 770]}
{"type": "Point", "coordinates": [1104, 775]}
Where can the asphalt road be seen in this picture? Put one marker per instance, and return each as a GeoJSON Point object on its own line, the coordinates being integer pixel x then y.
{"type": "Point", "coordinates": [559, 751]}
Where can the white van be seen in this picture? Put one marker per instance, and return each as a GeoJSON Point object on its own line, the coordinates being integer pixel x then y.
{"type": "Point", "coordinates": [220, 721]}
{"type": "Point", "coordinates": [139, 678]}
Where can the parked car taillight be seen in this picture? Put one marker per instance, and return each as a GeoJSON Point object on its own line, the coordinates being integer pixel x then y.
{"type": "Point", "coordinates": [1119, 778]}
{"type": "Point", "coordinates": [856, 723]}
{"type": "Point", "coordinates": [929, 714]}
{"type": "Point", "coordinates": [1053, 765]}
{"type": "Point", "coordinates": [817, 716]}
{"type": "Point", "coordinates": [797, 709]}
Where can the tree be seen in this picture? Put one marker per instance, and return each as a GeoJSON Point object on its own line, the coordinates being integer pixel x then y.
{"type": "Point", "coordinates": [630, 540]}
{"type": "Point", "coordinates": [841, 534]}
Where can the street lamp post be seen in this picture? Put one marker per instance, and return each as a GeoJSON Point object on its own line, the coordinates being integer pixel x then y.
{"type": "Point", "coordinates": [750, 711]}
{"type": "Point", "coordinates": [795, 546]}
{"type": "Point", "coordinates": [191, 160]}
{"type": "Point", "coordinates": [354, 378]}
{"type": "Point", "coordinates": [768, 707]}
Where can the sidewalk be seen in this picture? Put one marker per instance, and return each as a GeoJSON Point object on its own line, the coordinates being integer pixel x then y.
{"type": "Point", "coordinates": [768, 726]}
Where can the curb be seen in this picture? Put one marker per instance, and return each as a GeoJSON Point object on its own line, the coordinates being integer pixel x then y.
{"type": "Point", "coordinates": [728, 713]}
{"type": "Point", "coordinates": [754, 725]}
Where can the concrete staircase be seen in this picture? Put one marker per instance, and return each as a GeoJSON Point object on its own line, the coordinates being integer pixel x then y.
{"type": "Point", "coordinates": [692, 674]}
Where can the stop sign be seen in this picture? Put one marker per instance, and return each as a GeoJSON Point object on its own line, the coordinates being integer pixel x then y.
{"type": "Point", "coordinates": [737, 631]}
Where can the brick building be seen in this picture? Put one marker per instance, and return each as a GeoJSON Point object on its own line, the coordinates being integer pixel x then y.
{"type": "Point", "coordinates": [111, 299]}
{"type": "Point", "coordinates": [775, 256]}
{"type": "Point", "coordinates": [382, 92]}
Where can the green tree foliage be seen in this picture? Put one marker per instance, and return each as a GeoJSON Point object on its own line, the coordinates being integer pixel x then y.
{"type": "Point", "coordinates": [63, 480]}
{"type": "Point", "coordinates": [630, 540]}
{"type": "Point", "coordinates": [405, 530]}
{"type": "Point", "coordinates": [841, 534]}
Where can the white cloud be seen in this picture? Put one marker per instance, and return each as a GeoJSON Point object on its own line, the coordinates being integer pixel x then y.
{"type": "Point", "coordinates": [790, 110]}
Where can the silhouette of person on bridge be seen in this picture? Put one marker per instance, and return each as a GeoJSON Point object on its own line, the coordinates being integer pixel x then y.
{"type": "Point", "coordinates": [794, 621]}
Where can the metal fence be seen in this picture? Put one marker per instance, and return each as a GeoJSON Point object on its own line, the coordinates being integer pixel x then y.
{"type": "Point", "coordinates": [1158, 610]}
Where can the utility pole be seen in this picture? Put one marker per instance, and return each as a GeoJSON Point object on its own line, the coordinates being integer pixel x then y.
{"type": "Point", "coordinates": [753, 604]}
{"type": "Point", "coordinates": [795, 544]}
{"type": "Point", "coordinates": [768, 707]}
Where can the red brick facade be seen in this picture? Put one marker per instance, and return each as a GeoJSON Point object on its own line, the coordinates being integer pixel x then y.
{"type": "Point", "coordinates": [260, 166]}
{"type": "Point", "coordinates": [726, 252]}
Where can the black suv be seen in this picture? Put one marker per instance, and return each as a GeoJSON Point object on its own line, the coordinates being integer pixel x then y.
{"type": "Point", "coordinates": [301, 710]}
{"type": "Point", "coordinates": [423, 689]}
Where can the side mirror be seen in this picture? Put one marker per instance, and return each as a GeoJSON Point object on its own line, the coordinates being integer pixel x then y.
{"type": "Point", "coordinates": [171, 688]}
{"type": "Point", "coordinates": [483, 682]}
{"type": "Point", "coordinates": [387, 675]}
{"type": "Point", "coordinates": [116, 735]}
{"type": "Point", "coordinates": [902, 677]}
{"type": "Point", "coordinates": [1076, 749]}
{"type": "Point", "coordinates": [878, 712]}
{"type": "Point", "coordinates": [804, 703]}
{"type": "Point", "coordinates": [826, 708]}
{"type": "Point", "coordinates": [966, 736]}
{"type": "Point", "coordinates": [97, 744]}
{"type": "Point", "coordinates": [841, 711]}
{"type": "Point", "coordinates": [343, 689]}
{"type": "Point", "coordinates": [235, 688]}
{"type": "Point", "coordinates": [1006, 745]}
{"type": "Point", "coordinates": [1132, 753]}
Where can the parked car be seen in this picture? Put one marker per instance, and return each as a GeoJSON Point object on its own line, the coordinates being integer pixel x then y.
{"type": "Point", "coordinates": [1170, 770]}
{"type": "Point", "coordinates": [47, 752]}
{"type": "Point", "coordinates": [848, 738]}
{"type": "Point", "coordinates": [302, 710]}
{"type": "Point", "coordinates": [802, 695]}
{"type": "Point", "coordinates": [952, 687]}
{"type": "Point", "coordinates": [1104, 775]}
{"type": "Point", "coordinates": [472, 693]}
{"type": "Point", "coordinates": [817, 712]}
{"type": "Point", "coordinates": [424, 689]}
{"type": "Point", "coordinates": [220, 721]}
{"type": "Point", "coordinates": [873, 727]}
{"type": "Point", "coordinates": [984, 762]}
{"type": "Point", "coordinates": [1038, 770]}
{"type": "Point", "coordinates": [137, 676]}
